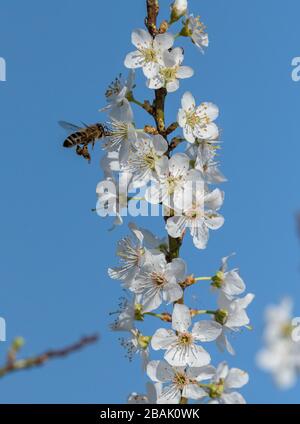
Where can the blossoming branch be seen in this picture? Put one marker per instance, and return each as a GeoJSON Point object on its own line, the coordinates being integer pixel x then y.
{"type": "Point", "coordinates": [152, 273]}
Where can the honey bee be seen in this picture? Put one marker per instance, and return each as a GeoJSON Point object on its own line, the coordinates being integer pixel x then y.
{"type": "Point", "coordinates": [81, 137]}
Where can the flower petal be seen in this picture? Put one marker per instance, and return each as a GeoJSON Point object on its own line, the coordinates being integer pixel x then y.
{"type": "Point", "coordinates": [206, 331]}
{"type": "Point", "coordinates": [160, 371]}
{"type": "Point", "coordinates": [163, 41]}
{"type": "Point", "coordinates": [160, 144]}
{"type": "Point", "coordinates": [233, 398]}
{"type": "Point", "coordinates": [134, 60]}
{"type": "Point", "coordinates": [141, 39]}
{"type": "Point", "coordinates": [188, 102]}
{"type": "Point", "coordinates": [236, 378]}
{"type": "Point", "coordinates": [172, 292]}
{"type": "Point", "coordinates": [184, 72]}
{"type": "Point", "coordinates": [193, 391]}
{"type": "Point", "coordinates": [181, 318]}
{"type": "Point", "coordinates": [163, 338]}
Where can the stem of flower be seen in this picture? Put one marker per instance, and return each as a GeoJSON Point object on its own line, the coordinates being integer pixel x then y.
{"type": "Point", "coordinates": [146, 105]}
{"type": "Point", "coordinates": [202, 278]}
{"type": "Point", "coordinates": [165, 316]}
{"type": "Point", "coordinates": [195, 312]}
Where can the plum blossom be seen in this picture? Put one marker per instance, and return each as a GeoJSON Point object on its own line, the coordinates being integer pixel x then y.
{"type": "Point", "coordinates": [136, 344]}
{"type": "Point", "coordinates": [128, 312]}
{"type": "Point", "coordinates": [172, 174]}
{"type": "Point", "coordinates": [178, 9]}
{"type": "Point", "coordinates": [179, 381]}
{"type": "Point", "coordinates": [231, 317]}
{"type": "Point", "coordinates": [116, 95]}
{"type": "Point", "coordinates": [149, 51]}
{"type": "Point", "coordinates": [222, 385]}
{"type": "Point", "coordinates": [170, 71]}
{"type": "Point", "coordinates": [112, 196]}
{"type": "Point", "coordinates": [280, 355]}
{"type": "Point", "coordinates": [197, 122]}
{"type": "Point", "coordinates": [204, 157]}
{"type": "Point", "coordinates": [150, 240]}
{"type": "Point", "coordinates": [198, 212]}
{"type": "Point", "coordinates": [228, 282]}
{"type": "Point", "coordinates": [158, 281]}
{"type": "Point", "coordinates": [144, 158]}
{"type": "Point", "coordinates": [122, 135]}
{"type": "Point", "coordinates": [196, 30]}
{"type": "Point", "coordinates": [181, 345]}
{"type": "Point", "coordinates": [132, 255]}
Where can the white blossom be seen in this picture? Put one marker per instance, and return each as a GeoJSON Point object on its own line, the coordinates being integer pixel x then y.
{"type": "Point", "coordinates": [113, 197]}
{"type": "Point", "coordinates": [122, 135]}
{"type": "Point", "coordinates": [136, 344]}
{"type": "Point", "coordinates": [125, 315]}
{"type": "Point", "coordinates": [150, 241]}
{"type": "Point", "coordinates": [223, 384]}
{"type": "Point", "coordinates": [149, 51]}
{"type": "Point", "coordinates": [228, 282]}
{"type": "Point", "coordinates": [182, 346]}
{"type": "Point", "coordinates": [280, 355]}
{"type": "Point", "coordinates": [196, 30]}
{"type": "Point", "coordinates": [178, 9]}
{"type": "Point", "coordinates": [197, 122]}
{"type": "Point", "coordinates": [172, 174]}
{"type": "Point", "coordinates": [158, 281]}
{"type": "Point", "coordinates": [204, 157]}
{"type": "Point", "coordinates": [116, 95]}
{"type": "Point", "coordinates": [231, 317]}
{"type": "Point", "coordinates": [144, 158]}
{"type": "Point", "coordinates": [179, 381]}
{"type": "Point", "coordinates": [170, 71]}
{"type": "Point", "coordinates": [199, 214]}
{"type": "Point", "coordinates": [132, 255]}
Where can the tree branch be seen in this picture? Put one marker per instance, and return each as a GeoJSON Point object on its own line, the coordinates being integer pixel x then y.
{"type": "Point", "coordinates": [151, 19]}
{"type": "Point", "coordinates": [14, 364]}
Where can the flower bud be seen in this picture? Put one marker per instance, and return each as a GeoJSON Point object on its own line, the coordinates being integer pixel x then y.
{"type": "Point", "coordinates": [138, 312]}
{"type": "Point", "coordinates": [216, 390]}
{"type": "Point", "coordinates": [18, 343]}
{"type": "Point", "coordinates": [221, 316]}
{"type": "Point", "coordinates": [179, 9]}
{"type": "Point", "coordinates": [217, 280]}
{"type": "Point", "coordinates": [144, 341]}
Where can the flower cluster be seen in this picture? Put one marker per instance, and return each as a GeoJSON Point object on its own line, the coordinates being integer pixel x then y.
{"type": "Point", "coordinates": [281, 353]}
{"type": "Point", "coordinates": [179, 183]}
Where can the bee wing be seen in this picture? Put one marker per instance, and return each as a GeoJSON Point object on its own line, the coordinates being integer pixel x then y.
{"type": "Point", "coordinates": [69, 127]}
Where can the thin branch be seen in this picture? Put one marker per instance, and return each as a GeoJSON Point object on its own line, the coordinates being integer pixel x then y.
{"type": "Point", "coordinates": [13, 364]}
{"type": "Point", "coordinates": [151, 19]}
{"type": "Point", "coordinates": [171, 128]}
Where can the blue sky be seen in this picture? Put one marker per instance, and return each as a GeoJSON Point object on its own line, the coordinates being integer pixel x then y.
{"type": "Point", "coordinates": [60, 57]}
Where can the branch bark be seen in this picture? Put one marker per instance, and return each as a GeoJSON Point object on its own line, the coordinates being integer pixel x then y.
{"type": "Point", "coordinates": [151, 19]}
{"type": "Point", "coordinates": [23, 364]}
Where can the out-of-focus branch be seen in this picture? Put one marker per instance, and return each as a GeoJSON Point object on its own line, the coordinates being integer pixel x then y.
{"type": "Point", "coordinates": [13, 364]}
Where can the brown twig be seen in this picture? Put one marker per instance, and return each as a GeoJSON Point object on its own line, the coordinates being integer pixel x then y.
{"type": "Point", "coordinates": [151, 19]}
{"type": "Point", "coordinates": [13, 364]}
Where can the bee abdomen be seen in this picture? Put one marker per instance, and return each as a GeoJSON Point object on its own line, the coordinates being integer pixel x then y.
{"type": "Point", "coordinates": [73, 140]}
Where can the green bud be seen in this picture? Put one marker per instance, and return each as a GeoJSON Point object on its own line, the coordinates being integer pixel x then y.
{"type": "Point", "coordinates": [138, 312]}
{"type": "Point", "coordinates": [221, 316]}
{"type": "Point", "coordinates": [179, 9]}
{"type": "Point", "coordinates": [218, 280]}
{"type": "Point", "coordinates": [18, 343]}
{"type": "Point", "coordinates": [216, 390]}
{"type": "Point", "coordinates": [144, 341]}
